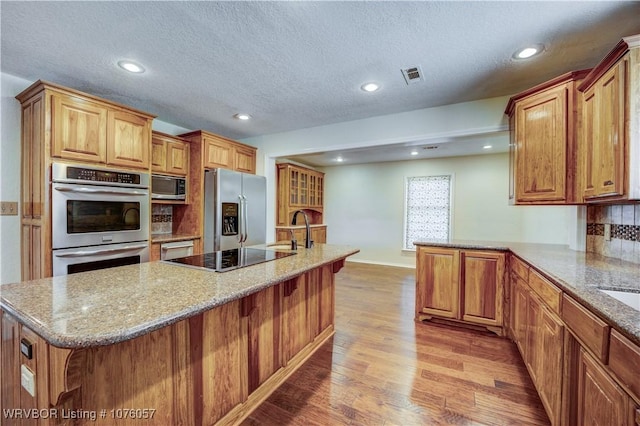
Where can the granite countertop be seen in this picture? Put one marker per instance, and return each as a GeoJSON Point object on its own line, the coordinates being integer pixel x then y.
{"type": "Point", "coordinates": [112, 305]}
{"type": "Point", "coordinates": [581, 275]}
{"type": "Point", "coordinates": [167, 238]}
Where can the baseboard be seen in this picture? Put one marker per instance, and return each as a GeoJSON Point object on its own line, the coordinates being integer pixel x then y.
{"type": "Point", "coordinates": [373, 262]}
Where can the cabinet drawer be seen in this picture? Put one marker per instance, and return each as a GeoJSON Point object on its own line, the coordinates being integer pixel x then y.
{"type": "Point", "coordinates": [591, 330]}
{"type": "Point", "coordinates": [520, 268]}
{"type": "Point", "coordinates": [624, 361]}
{"type": "Point", "coordinates": [549, 293]}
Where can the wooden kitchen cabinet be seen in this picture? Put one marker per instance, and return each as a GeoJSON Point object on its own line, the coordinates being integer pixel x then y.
{"type": "Point", "coordinates": [610, 123]}
{"type": "Point", "coordinates": [80, 129]}
{"type": "Point", "coordinates": [600, 401]}
{"type": "Point", "coordinates": [219, 152]}
{"type": "Point", "coordinates": [299, 188]}
{"type": "Point", "coordinates": [62, 124]}
{"type": "Point", "coordinates": [463, 285]}
{"type": "Point", "coordinates": [318, 234]}
{"type": "Point", "coordinates": [90, 130]}
{"type": "Point", "coordinates": [169, 154]}
{"type": "Point", "coordinates": [438, 277]}
{"type": "Point", "coordinates": [128, 140]}
{"type": "Point", "coordinates": [544, 133]}
{"type": "Point", "coordinates": [604, 139]}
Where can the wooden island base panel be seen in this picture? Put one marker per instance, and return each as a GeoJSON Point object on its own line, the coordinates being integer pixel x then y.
{"type": "Point", "coordinates": [212, 368]}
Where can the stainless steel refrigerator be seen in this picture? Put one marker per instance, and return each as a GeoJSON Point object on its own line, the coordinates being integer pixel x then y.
{"type": "Point", "coordinates": [235, 208]}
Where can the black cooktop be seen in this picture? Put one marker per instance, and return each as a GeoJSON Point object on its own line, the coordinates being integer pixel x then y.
{"type": "Point", "coordinates": [228, 260]}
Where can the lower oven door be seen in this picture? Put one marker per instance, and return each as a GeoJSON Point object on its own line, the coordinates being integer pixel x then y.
{"type": "Point", "coordinates": [69, 261]}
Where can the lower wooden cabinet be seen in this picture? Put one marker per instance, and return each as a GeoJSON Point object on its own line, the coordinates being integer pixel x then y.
{"type": "Point", "coordinates": [519, 305]}
{"type": "Point", "coordinates": [600, 400]}
{"type": "Point", "coordinates": [549, 347]}
{"type": "Point", "coordinates": [463, 285]}
{"type": "Point", "coordinates": [318, 234]}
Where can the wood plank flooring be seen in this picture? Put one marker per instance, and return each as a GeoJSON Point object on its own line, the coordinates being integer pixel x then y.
{"type": "Point", "coordinates": [382, 368]}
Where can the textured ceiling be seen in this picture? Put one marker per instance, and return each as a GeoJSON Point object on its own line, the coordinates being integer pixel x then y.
{"type": "Point", "coordinates": [294, 65]}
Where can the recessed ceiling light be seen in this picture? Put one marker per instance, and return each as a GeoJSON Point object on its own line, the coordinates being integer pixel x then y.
{"type": "Point", "coordinates": [487, 147]}
{"type": "Point", "coordinates": [131, 66]}
{"type": "Point", "coordinates": [241, 116]}
{"type": "Point", "coordinates": [339, 159]}
{"type": "Point", "coordinates": [370, 87]}
{"type": "Point", "coordinates": [414, 152]}
{"type": "Point", "coordinates": [528, 51]}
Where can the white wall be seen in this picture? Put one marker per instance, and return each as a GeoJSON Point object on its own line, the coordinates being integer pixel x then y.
{"type": "Point", "coordinates": [10, 86]}
{"type": "Point", "coordinates": [364, 206]}
{"type": "Point", "coordinates": [428, 124]}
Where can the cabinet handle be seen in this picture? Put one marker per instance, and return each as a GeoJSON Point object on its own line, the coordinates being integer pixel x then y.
{"type": "Point", "coordinates": [608, 182]}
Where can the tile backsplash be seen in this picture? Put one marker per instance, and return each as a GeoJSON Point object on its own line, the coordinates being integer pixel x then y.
{"type": "Point", "coordinates": [622, 223]}
{"type": "Point", "coordinates": [161, 219]}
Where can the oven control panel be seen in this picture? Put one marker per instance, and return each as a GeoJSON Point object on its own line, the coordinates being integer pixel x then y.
{"type": "Point", "coordinates": [94, 175]}
{"type": "Point", "coordinates": [76, 174]}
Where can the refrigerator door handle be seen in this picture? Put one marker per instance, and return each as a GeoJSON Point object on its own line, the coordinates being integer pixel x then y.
{"type": "Point", "coordinates": [244, 219]}
{"type": "Point", "coordinates": [240, 219]}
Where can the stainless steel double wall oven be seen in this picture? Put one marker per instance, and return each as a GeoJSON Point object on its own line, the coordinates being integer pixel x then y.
{"type": "Point", "coordinates": [100, 218]}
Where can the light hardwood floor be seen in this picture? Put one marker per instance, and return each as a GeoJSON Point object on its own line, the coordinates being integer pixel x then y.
{"type": "Point", "coordinates": [382, 368]}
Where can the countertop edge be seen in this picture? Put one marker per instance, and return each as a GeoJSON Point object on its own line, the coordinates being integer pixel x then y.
{"type": "Point", "coordinates": [58, 340]}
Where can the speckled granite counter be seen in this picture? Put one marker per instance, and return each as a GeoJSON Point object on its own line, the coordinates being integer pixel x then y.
{"type": "Point", "coordinates": [581, 275]}
{"type": "Point", "coordinates": [112, 305]}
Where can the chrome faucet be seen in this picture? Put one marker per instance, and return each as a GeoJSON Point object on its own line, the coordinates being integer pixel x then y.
{"type": "Point", "coordinates": [307, 242]}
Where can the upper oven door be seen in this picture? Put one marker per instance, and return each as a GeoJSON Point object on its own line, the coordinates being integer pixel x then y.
{"type": "Point", "coordinates": [87, 215]}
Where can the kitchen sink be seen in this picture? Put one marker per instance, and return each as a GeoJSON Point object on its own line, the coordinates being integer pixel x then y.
{"type": "Point", "coordinates": [626, 297]}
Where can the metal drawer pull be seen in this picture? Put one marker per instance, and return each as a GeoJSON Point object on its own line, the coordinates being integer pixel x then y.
{"type": "Point", "coordinates": [608, 182]}
{"type": "Point", "coordinates": [94, 252]}
{"type": "Point", "coordinates": [100, 191]}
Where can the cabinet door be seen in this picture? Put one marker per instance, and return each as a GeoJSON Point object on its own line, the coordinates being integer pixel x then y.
{"type": "Point", "coordinates": [541, 147]}
{"type": "Point", "coordinates": [437, 291]}
{"type": "Point", "coordinates": [533, 347]}
{"type": "Point", "coordinates": [217, 153]}
{"type": "Point", "coordinates": [245, 160]}
{"type": "Point", "coordinates": [304, 188]}
{"type": "Point", "coordinates": [550, 364]}
{"type": "Point", "coordinates": [588, 151]}
{"type": "Point", "coordinates": [319, 235]}
{"type": "Point", "coordinates": [610, 132]}
{"type": "Point", "coordinates": [177, 158]}
{"type": "Point", "coordinates": [600, 400]}
{"type": "Point", "coordinates": [158, 155]}
{"type": "Point", "coordinates": [519, 306]}
{"type": "Point", "coordinates": [294, 187]}
{"type": "Point", "coordinates": [79, 129]}
{"type": "Point", "coordinates": [128, 140]}
{"type": "Point", "coordinates": [483, 283]}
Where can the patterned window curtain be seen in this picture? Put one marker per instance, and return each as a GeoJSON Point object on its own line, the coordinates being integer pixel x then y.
{"type": "Point", "coordinates": [428, 209]}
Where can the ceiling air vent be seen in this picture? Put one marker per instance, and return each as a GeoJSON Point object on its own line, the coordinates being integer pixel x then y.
{"type": "Point", "coordinates": [412, 75]}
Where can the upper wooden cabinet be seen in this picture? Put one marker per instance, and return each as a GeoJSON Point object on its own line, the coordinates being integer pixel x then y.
{"type": "Point", "coordinates": [543, 126]}
{"type": "Point", "coordinates": [88, 129]}
{"type": "Point", "coordinates": [610, 137]}
{"type": "Point", "coordinates": [461, 285]}
{"type": "Point", "coordinates": [218, 151]}
{"type": "Point", "coordinates": [299, 188]}
{"type": "Point", "coordinates": [169, 154]}
{"type": "Point", "coordinates": [128, 139]}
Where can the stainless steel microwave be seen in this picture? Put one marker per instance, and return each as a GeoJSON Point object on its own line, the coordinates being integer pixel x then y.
{"type": "Point", "coordinates": [168, 187]}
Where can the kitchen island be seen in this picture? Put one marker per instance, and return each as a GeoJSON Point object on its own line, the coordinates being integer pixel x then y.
{"type": "Point", "coordinates": [162, 343]}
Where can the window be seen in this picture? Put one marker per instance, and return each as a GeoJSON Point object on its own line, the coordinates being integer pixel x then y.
{"type": "Point", "coordinates": [427, 209]}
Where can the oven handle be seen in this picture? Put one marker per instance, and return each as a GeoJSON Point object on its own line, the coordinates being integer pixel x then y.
{"type": "Point", "coordinates": [94, 252]}
{"type": "Point", "coordinates": [100, 191]}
